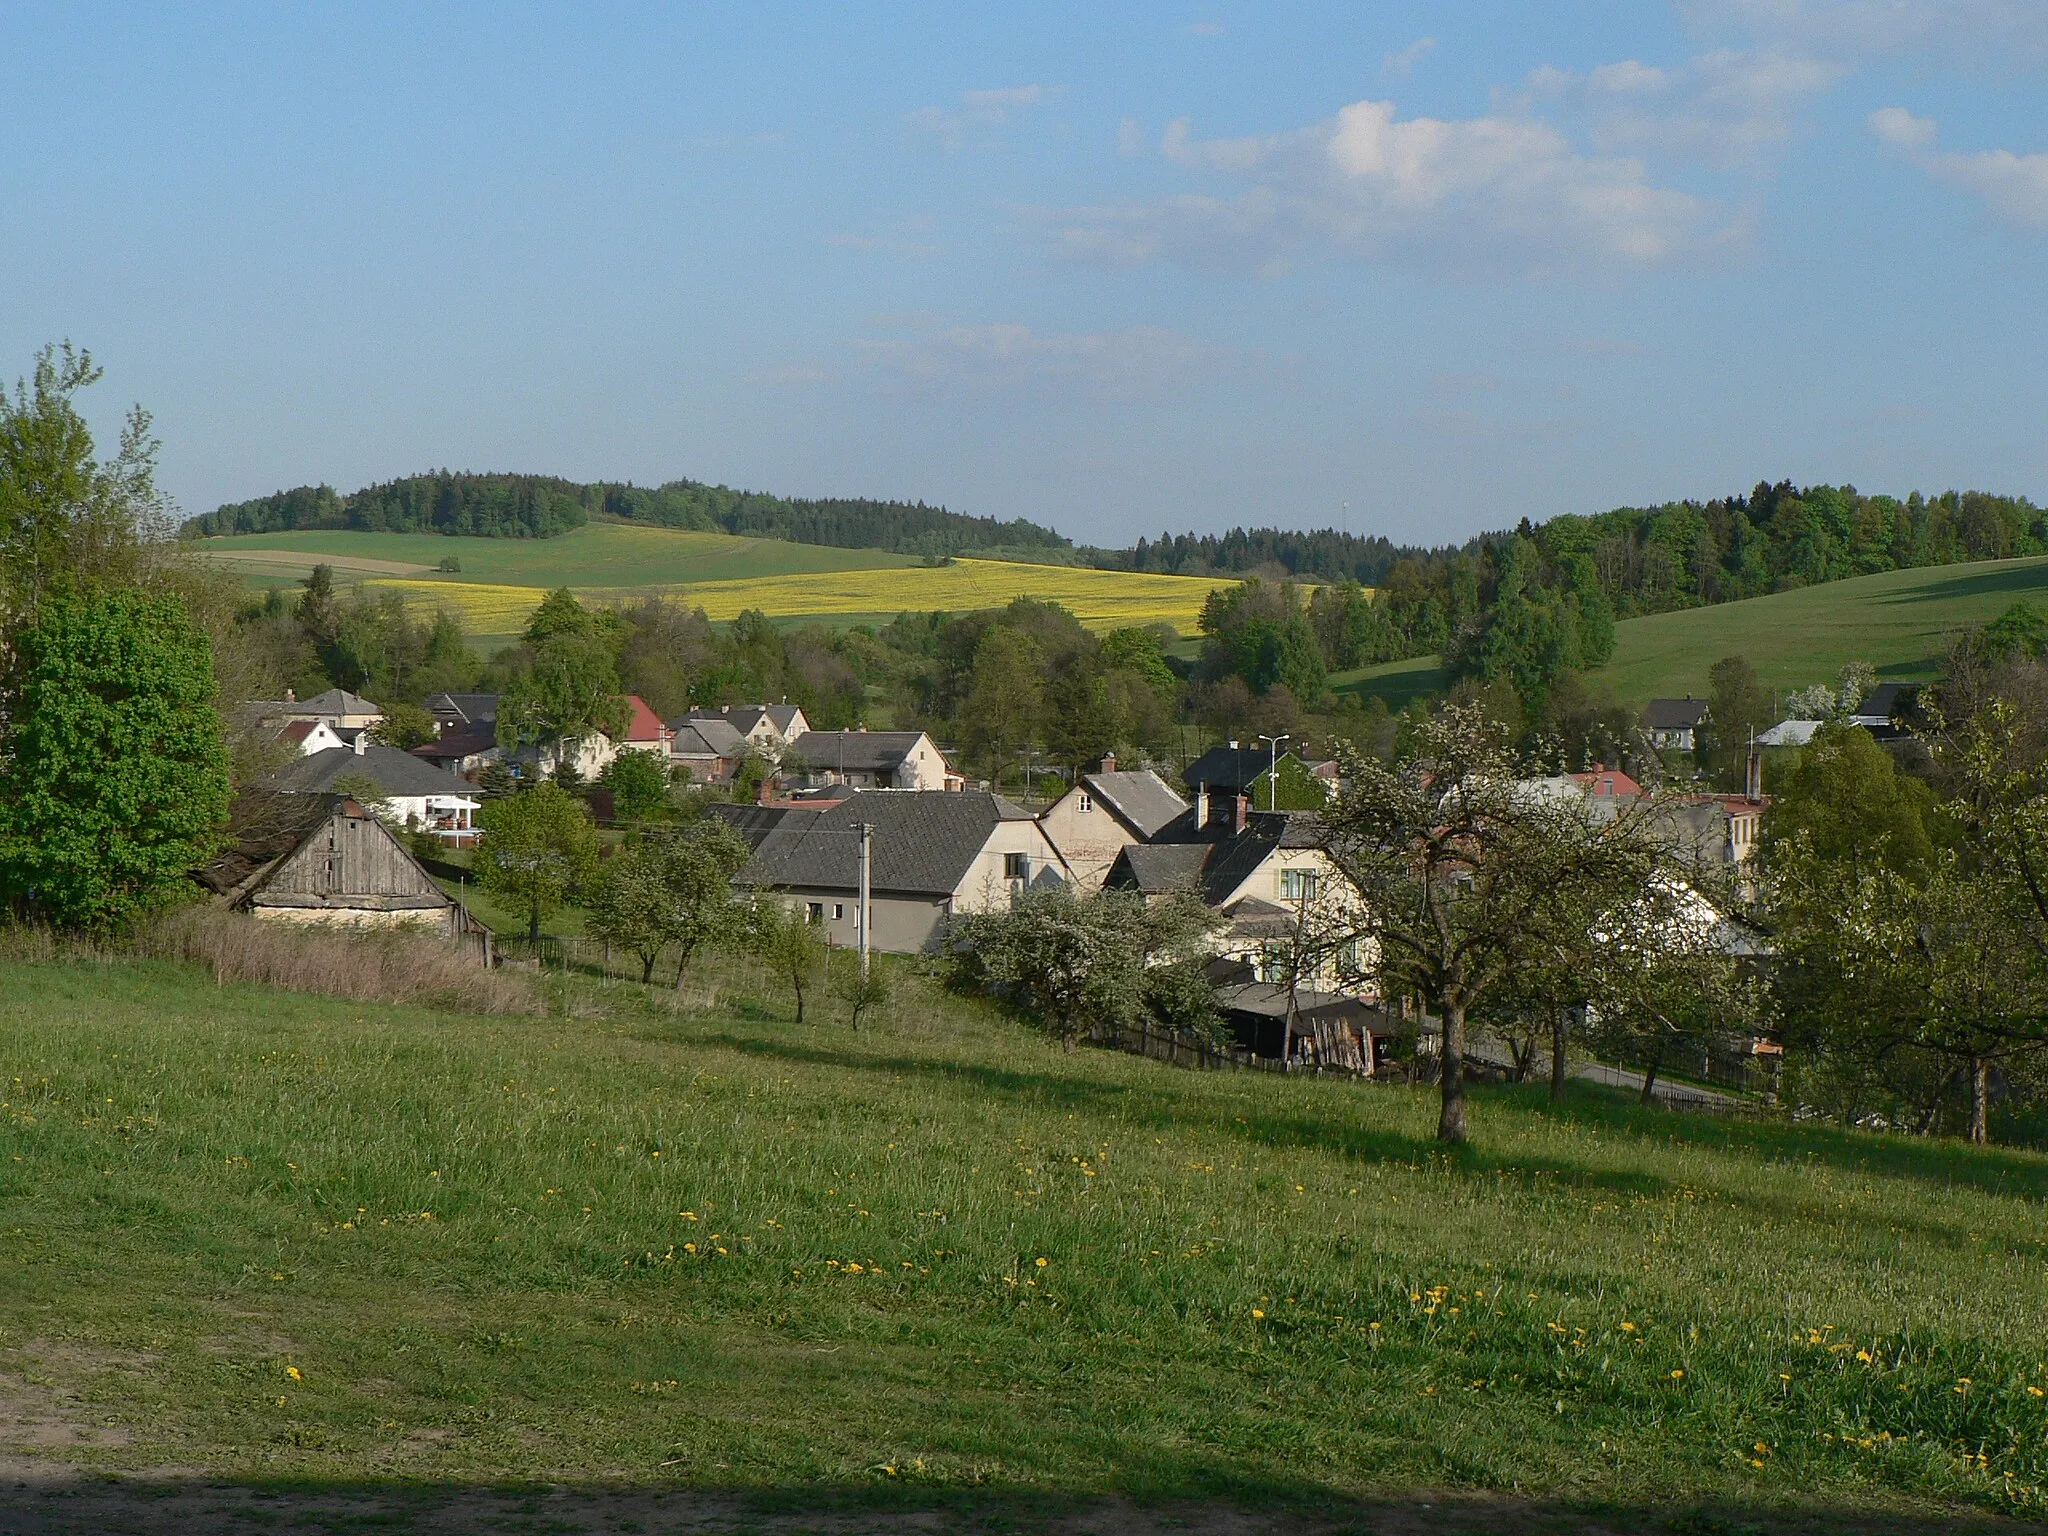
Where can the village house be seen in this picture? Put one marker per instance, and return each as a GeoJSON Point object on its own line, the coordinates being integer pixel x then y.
{"type": "Point", "coordinates": [1235, 769]}
{"type": "Point", "coordinates": [931, 856]}
{"type": "Point", "coordinates": [322, 858]}
{"type": "Point", "coordinates": [420, 796]}
{"type": "Point", "coordinates": [767, 728]}
{"type": "Point", "coordinates": [309, 736]}
{"type": "Point", "coordinates": [1672, 723]}
{"type": "Point", "coordinates": [337, 707]}
{"type": "Point", "coordinates": [869, 760]}
{"type": "Point", "coordinates": [1106, 812]}
{"type": "Point", "coordinates": [710, 749]}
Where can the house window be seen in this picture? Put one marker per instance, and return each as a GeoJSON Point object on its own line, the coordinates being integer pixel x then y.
{"type": "Point", "coordinates": [838, 910]}
{"type": "Point", "coordinates": [1083, 804]}
{"type": "Point", "coordinates": [1299, 884]}
{"type": "Point", "coordinates": [814, 911]}
{"type": "Point", "coordinates": [1016, 866]}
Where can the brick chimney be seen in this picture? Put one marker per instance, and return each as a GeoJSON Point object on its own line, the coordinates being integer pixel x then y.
{"type": "Point", "coordinates": [764, 792]}
{"type": "Point", "coordinates": [1241, 813]}
{"type": "Point", "coordinates": [1109, 762]}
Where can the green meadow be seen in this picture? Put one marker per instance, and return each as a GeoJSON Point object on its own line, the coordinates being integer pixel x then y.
{"type": "Point", "coordinates": [595, 555]}
{"type": "Point", "coordinates": [1896, 620]}
{"type": "Point", "coordinates": [338, 1254]}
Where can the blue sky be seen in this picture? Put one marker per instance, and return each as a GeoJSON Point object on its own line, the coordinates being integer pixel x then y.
{"type": "Point", "coordinates": [1411, 269]}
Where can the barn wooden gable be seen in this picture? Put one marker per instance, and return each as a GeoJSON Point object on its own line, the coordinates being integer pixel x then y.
{"type": "Point", "coordinates": [350, 861]}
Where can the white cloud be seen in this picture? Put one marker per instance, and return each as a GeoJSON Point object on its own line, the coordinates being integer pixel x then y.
{"type": "Point", "coordinates": [1502, 190]}
{"type": "Point", "coordinates": [1403, 60]}
{"type": "Point", "coordinates": [2013, 188]}
{"type": "Point", "coordinates": [982, 109]}
{"type": "Point", "coordinates": [1012, 358]}
{"type": "Point", "coordinates": [1726, 109]}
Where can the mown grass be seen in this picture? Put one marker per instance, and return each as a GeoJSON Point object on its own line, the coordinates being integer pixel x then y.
{"type": "Point", "coordinates": [1896, 621]}
{"type": "Point", "coordinates": [274, 1235]}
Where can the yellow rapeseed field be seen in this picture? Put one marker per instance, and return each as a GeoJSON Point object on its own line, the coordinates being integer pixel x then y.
{"type": "Point", "coordinates": [1101, 600]}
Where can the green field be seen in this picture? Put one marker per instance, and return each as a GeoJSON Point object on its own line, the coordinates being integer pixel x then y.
{"type": "Point", "coordinates": [1895, 620]}
{"type": "Point", "coordinates": [352, 1260]}
{"type": "Point", "coordinates": [595, 555]}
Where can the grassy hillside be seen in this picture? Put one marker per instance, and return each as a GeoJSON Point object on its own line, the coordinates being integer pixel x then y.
{"type": "Point", "coordinates": [502, 580]}
{"type": "Point", "coordinates": [597, 555]}
{"type": "Point", "coordinates": [330, 1245]}
{"type": "Point", "coordinates": [1895, 620]}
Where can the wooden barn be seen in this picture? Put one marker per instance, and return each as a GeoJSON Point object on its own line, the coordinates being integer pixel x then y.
{"type": "Point", "coordinates": [323, 858]}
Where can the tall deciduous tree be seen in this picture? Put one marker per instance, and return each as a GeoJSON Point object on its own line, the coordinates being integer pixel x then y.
{"type": "Point", "coordinates": [537, 848]}
{"type": "Point", "coordinates": [1462, 869]}
{"type": "Point", "coordinates": [113, 772]}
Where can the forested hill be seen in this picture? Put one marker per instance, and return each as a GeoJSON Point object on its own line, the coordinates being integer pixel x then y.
{"type": "Point", "coordinates": [541, 506]}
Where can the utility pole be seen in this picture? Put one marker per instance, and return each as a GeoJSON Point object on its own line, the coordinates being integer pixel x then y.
{"type": "Point", "coordinates": [862, 917]}
{"type": "Point", "coordinates": [1273, 768]}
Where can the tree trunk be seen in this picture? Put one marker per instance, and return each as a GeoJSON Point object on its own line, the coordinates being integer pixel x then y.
{"type": "Point", "coordinates": [533, 928]}
{"type": "Point", "coordinates": [1560, 1040]}
{"type": "Point", "coordinates": [797, 982]}
{"type": "Point", "coordinates": [1650, 1078]}
{"type": "Point", "coordinates": [1980, 1101]}
{"type": "Point", "coordinates": [647, 969]}
{"type": "Point", "coordinates": [1450, 1121]}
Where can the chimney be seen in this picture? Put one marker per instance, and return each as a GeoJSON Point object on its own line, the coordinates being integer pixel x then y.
{"type": "Point", "coordinates": [1233, 743]}
{"type": "Point", "coordinates": [1242, 813]}
{"type": "Point", "coordinates": [764, 792]}
{"type": "Point", "coordinates": [290, 697]}
{"type": "Point", "coordinates": [1109, 762]}
{"type": "Point", "coordinates": [1201, 806]}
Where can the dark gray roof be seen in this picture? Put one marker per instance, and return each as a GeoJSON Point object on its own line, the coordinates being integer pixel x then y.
{"type": "Point", "coordinates": [1229, 769]}
{"type": "Point", "coordinates": [706, 738]}
{"type": "Point", "coordinates": [1141, 800]}
{"type": "Point", "coordinates": [336, 701]}
{"type": "Point", "coordinates": [1214, 859]}
{"type": "Point", "coordinates": [1674, 714]}
{"type": "Point", "coordinates": [856, 751]}
{"type": "Point", "coordinates": [924, 842]}
{"type": "Point", "coordinates": [392, 771]}
{"type": "Point", "coordinates": [754, 822]}
{"type": "Point", "coordinates": [464, 708]}
{"type": "Point", "coordinates": [1887, 700]}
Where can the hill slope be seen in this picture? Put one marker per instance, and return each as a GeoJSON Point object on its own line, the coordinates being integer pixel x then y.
{"type": "Point", "coordinates": [1895, 620]}
{"type": "Point", "coordinates": [274, 1235]}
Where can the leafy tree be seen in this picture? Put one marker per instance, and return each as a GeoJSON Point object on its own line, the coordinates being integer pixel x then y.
{"type": "Point", "coordinates": [1005, 697]}
{"type": "Point", "coordinates": [405, 726]}
{"type": "Point", "coordinates": [1738, 706]}
{"type": "Point", "coordinates": [1461, 873]}
{"type": "Point", "coordinates": [863, 991]}
{"type": "Point", "coordinates": [68, 520]}
{"type": "Point", "coordinates": [639, 785]}
{"type": "Point", "coordinates": [1140, 651]}
{"type": "Point", "coordinates": [537, 848]}
{"type": "Point", "coordinates": [1083, 963]}
{"type": "Point", "coordinates": [572, 690]}
{"type": "Point", "coordinates": [788, 943]}
{"type": "Point", "coordinates": [633, 907]}
{"type": "Point", "coordinates": [369, 794]}
{"type": "Point", "coordinates": [698, 863]}
{"type": "Point", "coordinates": [116, 780]}
{"type": "Point", "coordinates": [1845, 801]}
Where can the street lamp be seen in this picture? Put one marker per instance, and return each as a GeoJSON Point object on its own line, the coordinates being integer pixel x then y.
{"type": "Point", "coordinates": [1273, 768]}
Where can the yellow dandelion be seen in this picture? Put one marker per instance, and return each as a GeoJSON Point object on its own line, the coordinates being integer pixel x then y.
{"type": "Point", "coordinates": [1257, 1313]}
{"type": "Point", "coordinates": [1678, 1375]}
{"type": "Point", "coordinates": [1040, 1263]}
{"type": "Point", "coordinates": [293, 1372]}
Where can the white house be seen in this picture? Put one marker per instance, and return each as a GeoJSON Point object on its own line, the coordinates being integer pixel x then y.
{"type": "Point", "coordinates": [1103, 814]}
{"type": "Point", "coordinates": [421, 796]}
{"type": "Point", "coordinates": [311, 736]}
{"type": "Point", "coordinates": [767, 728]}
{"type": "Point", "coordinates": [930, 856]}
{"type": "Point", "coordinates": [873, 760]}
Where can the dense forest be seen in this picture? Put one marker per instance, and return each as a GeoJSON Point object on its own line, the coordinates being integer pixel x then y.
{"type": "Point", "coordinates": [541, 506]}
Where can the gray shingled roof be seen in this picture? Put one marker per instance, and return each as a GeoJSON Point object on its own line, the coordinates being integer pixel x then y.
{"type": "Point", "coordinates": [855, 751]}
{"type": "Point", "coordinates": [465, 708]}
{"type": "Point", "coordinates": [1157, 868]}
{"type": "Point", "coordinates": [392, 771]}
{"type": "Point", "coordinates": [1230, 769]}
{"type": "Point", "coordinates": [1674, 714]}
{"type": "Point", "coordinates": [924, 842]}
{"type": "Point", "coordinates": [336, 701]}
{"type": "Point", "coordinates": [713, 737]}
{"type": "Point", "coordinates": [1140, 799]}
